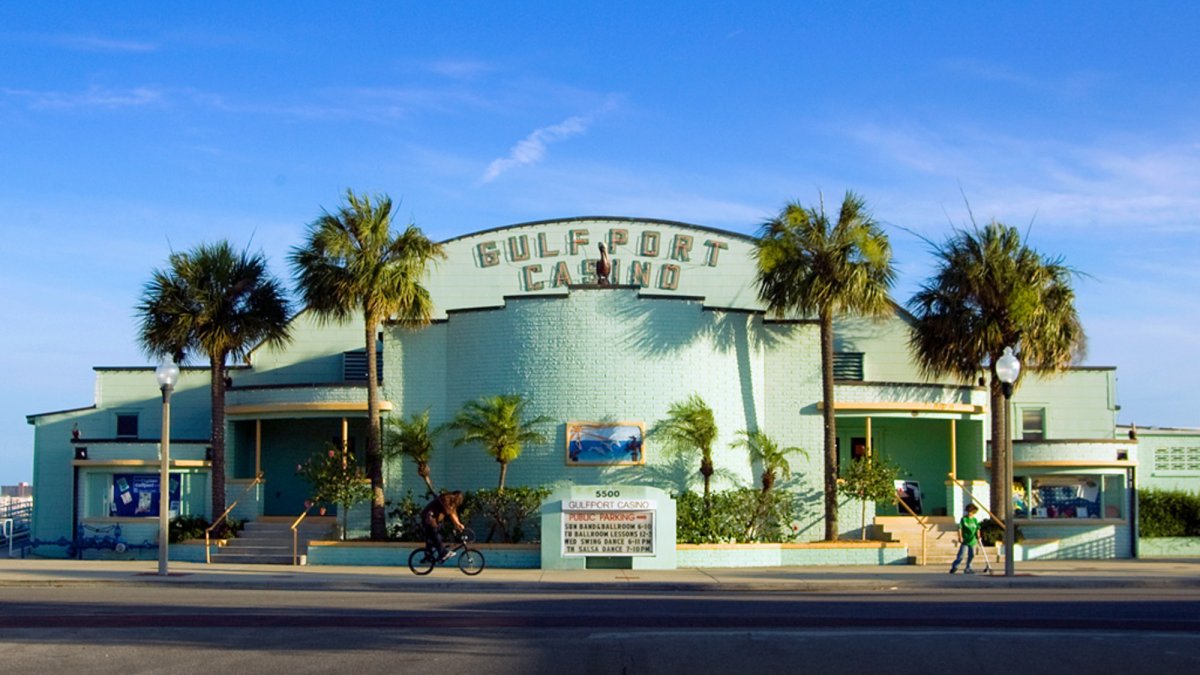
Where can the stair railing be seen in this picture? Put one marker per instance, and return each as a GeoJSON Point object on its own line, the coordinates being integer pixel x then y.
{"type": "Point", "coordinates": [208, 532]}
{"type": "Point", "coordinates": [296, 535]}
{"type": "Point", "coordinates": [962, 486]}
{"type": "Point", "coordinates": [925, 527]}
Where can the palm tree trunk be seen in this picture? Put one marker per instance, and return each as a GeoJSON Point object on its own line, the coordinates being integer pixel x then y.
{"type": "Point", "coordinates": [374, 459]}
{"type": "Point", "coordinates": [423, 472]}
{"type": "Point", "coordinates": [503, 473]}
{"type": "Point", "coordinates": [999, 446]}
{"type": "Point", "coordinates": [217, 401]}
{"type": "Point", "coordinates": [831, 451]}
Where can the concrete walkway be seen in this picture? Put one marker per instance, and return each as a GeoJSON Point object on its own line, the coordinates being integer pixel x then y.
{"type": "Point", "coordinates": [1080, 574]}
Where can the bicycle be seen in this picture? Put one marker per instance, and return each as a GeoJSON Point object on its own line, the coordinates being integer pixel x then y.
{"type": "Point", "coordinates": [470, 560]}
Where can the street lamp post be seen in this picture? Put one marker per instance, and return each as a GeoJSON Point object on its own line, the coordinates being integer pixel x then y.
{"type": "Point", "coordinates": [1008, 368]}
{"type": "Point", "coordinates": [167, 374]}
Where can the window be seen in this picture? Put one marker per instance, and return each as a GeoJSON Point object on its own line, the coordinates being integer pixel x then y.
{"type": "Point", "coordinates": [1070, 496]}
{"type": "Point", "coordinates": [127, 425]}
{"type": "Point", "coordinates": [1033, 424]}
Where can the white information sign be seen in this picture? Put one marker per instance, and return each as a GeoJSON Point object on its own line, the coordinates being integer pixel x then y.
{"type": "Point", "coordinates": [608, 527]}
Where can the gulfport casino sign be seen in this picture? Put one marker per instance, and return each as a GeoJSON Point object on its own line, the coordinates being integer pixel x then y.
{"type": "Point", "coordinates": [654, 256]}
{"type": "Point", "coordinates": [608, 526]}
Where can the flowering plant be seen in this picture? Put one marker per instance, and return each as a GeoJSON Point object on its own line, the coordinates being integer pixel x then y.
{"type": "Point", "coordinates": [335, 478]}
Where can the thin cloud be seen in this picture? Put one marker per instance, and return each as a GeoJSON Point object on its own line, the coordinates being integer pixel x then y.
{"type": "Point", "coordinates": [84, 43]}
{"type": "Point", "coordinates": [532, 149]}
{"type": "Point", "coordinates": [93, 97]}
{"type": "Point", "coordinates": [91, 43]}
{"type": "Point", "coordinates": [460, 69]}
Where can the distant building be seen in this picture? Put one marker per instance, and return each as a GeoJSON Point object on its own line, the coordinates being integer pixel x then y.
{"type": "Point", "coordinates": [19, 490]}
{"type": "Point", "coordinates": [519, 310]}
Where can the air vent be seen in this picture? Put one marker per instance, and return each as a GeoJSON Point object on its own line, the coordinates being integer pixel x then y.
{"type": "Point", "coordinates": [354, 365]}
{"type": "Point", "coordinates": [848, 366]}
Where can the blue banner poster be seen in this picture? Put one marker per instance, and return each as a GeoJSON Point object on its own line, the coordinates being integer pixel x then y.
{"type": "Point", "coordinates": [135, 495]}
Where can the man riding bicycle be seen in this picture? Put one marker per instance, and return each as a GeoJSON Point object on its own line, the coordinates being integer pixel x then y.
{"type": "Point", "coordinates": [443, 506]}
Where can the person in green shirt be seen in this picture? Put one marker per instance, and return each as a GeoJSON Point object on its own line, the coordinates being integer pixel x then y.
{"type": "Point", "coordinates": [968, 530]}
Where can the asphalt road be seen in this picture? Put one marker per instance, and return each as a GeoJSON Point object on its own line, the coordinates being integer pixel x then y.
{"type": "Point", "coordinates": [137, 629]}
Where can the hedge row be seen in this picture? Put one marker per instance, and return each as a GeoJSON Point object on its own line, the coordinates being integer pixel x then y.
{"type": "Point", "coordinates": [1168, 513]}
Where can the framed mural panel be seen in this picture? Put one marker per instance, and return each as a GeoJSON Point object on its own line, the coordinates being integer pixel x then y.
{"type": "Point", "coordinates": [606, 443]}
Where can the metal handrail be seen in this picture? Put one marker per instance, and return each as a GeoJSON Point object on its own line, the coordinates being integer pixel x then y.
{"type": "Point", "coordinates": [925, 527]}
{"type": "Point", "coordinates": [296, 535]}
{"type": "Point", "coordinates": [221, 518]}
{"type": "Point", "coordinates": [962, 486]}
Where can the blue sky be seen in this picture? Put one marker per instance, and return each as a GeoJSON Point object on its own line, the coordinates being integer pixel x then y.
{"type": "Point", "coordinates": [129, 129]}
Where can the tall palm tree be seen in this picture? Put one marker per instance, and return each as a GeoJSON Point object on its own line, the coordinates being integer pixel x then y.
{"type": "Point", "coordinates": [497, 423]}
{"type": "Point", "coordinates": [764, 449]}
{"type": "Point", "coordinates": [990, 291]}
{"type": "Point", "coordinates": [351, 264]}
{"type": "Point", "coordinates": [811, 266]}
{"type": "Point", "coordinates": [690, 425]}
{"type": "Point", "coordinates": [411, 438]}
{"type": "Point", "coordinates": [218, 302]}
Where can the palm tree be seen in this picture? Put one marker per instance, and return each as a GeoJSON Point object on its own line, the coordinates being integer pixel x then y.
{"type": "Point", "coordinates": [690, 425]}
{"type": "Point", "coordinates": [220, 303]}
{"type": "Point", "coordinates": [991, 291]}
{"type": "Point", "coordinates": [808, 265]}
{"type": "Point", "coordinates": [351, 264]}
{"type": "Point", "coordinates": [497, 423]}
{"type": "Point", "coordinates": [764, 449]}
{"type": "Point", "coordinates": [411, 438]}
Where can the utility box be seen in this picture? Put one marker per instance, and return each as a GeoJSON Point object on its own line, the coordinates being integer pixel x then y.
{"type": "Point", "coordinates": [608, 527]}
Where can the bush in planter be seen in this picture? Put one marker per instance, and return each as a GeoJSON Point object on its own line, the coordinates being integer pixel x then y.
{"type": "Point", "coordinates": [740, 515]}
{"type": "Point", "coordinates": [404, 519]}
{"type": "Point", "coordinates": [512, 513]}
{"type": "Point", "coordinates": [1168, 513]}
{"type": "Point", "coordinates": [990, 533]}
{"type": "Point", "coordinates": [183, 528]}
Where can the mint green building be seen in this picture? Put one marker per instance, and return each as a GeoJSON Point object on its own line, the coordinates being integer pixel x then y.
{"type": "Point", "coordinates": [520, 310]}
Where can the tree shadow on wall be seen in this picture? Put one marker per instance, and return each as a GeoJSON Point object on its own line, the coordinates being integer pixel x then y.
{"type": "Point", "coordinates": [668, 328]}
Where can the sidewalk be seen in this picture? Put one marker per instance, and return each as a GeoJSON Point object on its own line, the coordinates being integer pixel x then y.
{"type": "Point", "coordinates": [1070, 574]}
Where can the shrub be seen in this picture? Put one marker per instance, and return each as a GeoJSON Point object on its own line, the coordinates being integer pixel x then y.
{"type": "Point", "coordinates": [405, 519]}
{"type": "Point", "coordinates": [990, 533]}
{"type": "Point", "coordinates": [512, 513]}
{"type": "Point", "coordinates": [738, 515]}
{"type": "Point", "coordinates": [1168, 513]}
{"type": "Point", "coordinates": [184, 528]}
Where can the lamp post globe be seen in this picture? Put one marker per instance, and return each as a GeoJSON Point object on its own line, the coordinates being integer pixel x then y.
{"type": "Point", "coordinates": [1008, 369]}
{"type": "Point", "coordinates": [167, 374]}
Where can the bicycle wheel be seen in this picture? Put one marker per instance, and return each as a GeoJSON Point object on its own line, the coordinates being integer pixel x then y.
{"type": "Point", "coordinates": [470, 561]}
{"type": "Point", "coordinates": [420, 562]}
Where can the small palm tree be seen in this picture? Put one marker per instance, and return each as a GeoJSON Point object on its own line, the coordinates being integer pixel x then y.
{"type": "Point", "coordinates": [690, 425]}
{"type": "Point", "coordinates": [218, 302]}
{"type": "Point", "coordinates": [991, 291]}
{"type": "Point", "coordinates": [411, 438]}
{"type": "Point", "coordinates": [811, 266]}
{"type": "Point", "coordinates": [351, 264]}
{"type": "Point", "coordinates": [497, 423]}
{"type": "Point", "coordinates": [774, 458]}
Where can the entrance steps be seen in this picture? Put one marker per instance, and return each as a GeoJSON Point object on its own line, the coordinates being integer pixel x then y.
{"type": "Point", "coordinates": [940, 542]}
{"type": "Point", "coordinates": [268, 540]}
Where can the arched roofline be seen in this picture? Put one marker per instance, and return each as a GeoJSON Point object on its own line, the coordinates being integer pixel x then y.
{"type": "Point", "coordinates": [609, 219]}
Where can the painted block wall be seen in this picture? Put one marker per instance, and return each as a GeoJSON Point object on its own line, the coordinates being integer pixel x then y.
{"type": "Point", "coordinates": [1080, 403]}
{"type": "Point", "coordinates": [884, 343]}
{"type": "Point", "coordinates": [313, 356]}
{"type": "Point", "coordinates": [792, 387]}
{"type": "Point", "coordinates": [1156, 471]}
{"type": "Point", "coordinates": [610, 354]}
